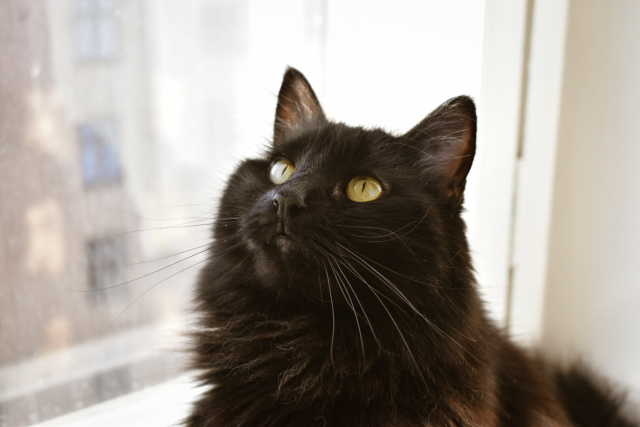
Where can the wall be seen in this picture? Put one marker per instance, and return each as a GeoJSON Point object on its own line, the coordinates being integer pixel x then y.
{"type": "Point", "coordinates": [593, 280]}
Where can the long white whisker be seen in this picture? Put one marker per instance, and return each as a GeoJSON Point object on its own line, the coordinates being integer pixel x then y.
{"type": "Point", "coordinates": [406, 300]}
{"type": "Point", "coordinates": [357, 299]}
{"type": "Point", "coordinates": [381, 237]}
{"type": "Point", "coordinates": [415, 362]}
{"type": "Point", "coordinates": [408, 277]}
{"type": "Point", "coordinates": [333, 314]}
{"type": "Point", "coordinates": [138, 278]}
{"type": "Point", "coordinates": [140, 296]}
{"type": "Point", "coordinates": [349, 301]}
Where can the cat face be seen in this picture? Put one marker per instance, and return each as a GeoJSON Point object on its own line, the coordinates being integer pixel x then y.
{"type": "Point", "coordinates": [329, 202]}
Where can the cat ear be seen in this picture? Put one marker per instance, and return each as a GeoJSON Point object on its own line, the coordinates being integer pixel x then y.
{"type": "Point", "coordinates": [298, 106]}
{"type": "Point", "coordinates": [447, 139]}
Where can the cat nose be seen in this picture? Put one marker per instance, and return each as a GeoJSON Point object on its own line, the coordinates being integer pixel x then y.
{"type": "Point", "coordinates": [285, 204]}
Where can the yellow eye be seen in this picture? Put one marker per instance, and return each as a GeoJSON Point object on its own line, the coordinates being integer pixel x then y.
{"type": "Point", "coordinates": [281, 171]}
{"type": "Point", "coordinates": [363, 189]}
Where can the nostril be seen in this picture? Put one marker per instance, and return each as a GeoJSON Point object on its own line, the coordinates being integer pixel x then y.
{"type": "Point", "coordinates": [275, 202]}
{"type": "Point", "coordinates": [299, 206]}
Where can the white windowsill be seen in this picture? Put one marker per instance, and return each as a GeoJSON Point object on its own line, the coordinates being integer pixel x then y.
{"type": "Point", "coordinates": [164, 405]}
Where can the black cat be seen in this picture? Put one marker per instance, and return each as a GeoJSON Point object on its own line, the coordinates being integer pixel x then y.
{"type": "Point", "coordinates": [340, 290]}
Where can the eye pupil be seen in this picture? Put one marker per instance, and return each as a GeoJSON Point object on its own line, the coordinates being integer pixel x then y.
{"type": "Point", "coordinates": [363, 189]}
{"type": "Point", "coordinates": [280, 171]}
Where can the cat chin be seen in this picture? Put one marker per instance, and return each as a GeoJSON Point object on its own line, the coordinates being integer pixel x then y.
{"type": "Point", "coordinates": [283, 245]}
{"type": "Point", "coordinates": [277, 262]}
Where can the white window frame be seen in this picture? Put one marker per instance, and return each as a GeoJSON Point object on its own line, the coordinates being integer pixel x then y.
{"type": "Point", "coordinates": [518, 122]}
{"type": "Point", "coordinates": [518, 135]}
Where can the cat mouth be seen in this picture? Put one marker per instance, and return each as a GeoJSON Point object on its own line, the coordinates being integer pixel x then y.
{"type": "Point", "coordinates": [277, 257]}
{"type": "Point", "coordinates": [281, 241]}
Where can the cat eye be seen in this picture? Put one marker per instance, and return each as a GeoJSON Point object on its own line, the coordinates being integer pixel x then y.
{"type": "Point", "coordinates": [281, 171]}
{"type": "Point", "coordinates": [363, 189]}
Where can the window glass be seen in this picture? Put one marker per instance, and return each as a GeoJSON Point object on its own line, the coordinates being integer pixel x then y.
{"type": "Point", "coordinates": [119, 123]}
{"type": "Point", "coordinates": [110, 170]}
{"type": "Point", "coordinates": [95, 29]}
{"type": "Point", "coordinates": [100, 161]}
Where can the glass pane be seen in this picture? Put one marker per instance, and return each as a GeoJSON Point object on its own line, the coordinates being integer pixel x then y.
{"type": "Point", "coordinates": [106, 33]}
{"type": "Point", "coordinates": [85, 37]}
{"type": "Point", "coordinates": [110, 170]}
{"type": "Point", "coordinates": [83, 7]}
{"type": "Point", "coordinates": [119, 124]}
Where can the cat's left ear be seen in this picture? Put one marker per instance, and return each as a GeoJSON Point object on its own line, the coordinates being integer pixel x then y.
{"type": "Point", "coordinates": [298, 107]}
{"type": "Point", "coordinates": [447, 139]}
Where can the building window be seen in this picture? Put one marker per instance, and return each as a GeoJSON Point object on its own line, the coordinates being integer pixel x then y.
{"type": "Point", "coordinates": [95, 29]}
{"type": "Point", "coordinates": [106, 263]}
{"type": "Point", "coordinates": [99, 154]}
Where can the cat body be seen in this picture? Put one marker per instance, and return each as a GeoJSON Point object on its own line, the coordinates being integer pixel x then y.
{"type": "Point", "coordinates": [329, 303]}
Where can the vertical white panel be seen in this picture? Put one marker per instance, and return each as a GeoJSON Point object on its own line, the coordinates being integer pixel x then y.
{"type": "Point", "coordinates": [536, 168]}
{"type": "Point", "coordinates": [498, 132]}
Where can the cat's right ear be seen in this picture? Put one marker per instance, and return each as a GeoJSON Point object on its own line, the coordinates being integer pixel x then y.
{"type": "Point", "coordinates": [298, 107]}
{"type": "Point", "coordinates": [447, 140]}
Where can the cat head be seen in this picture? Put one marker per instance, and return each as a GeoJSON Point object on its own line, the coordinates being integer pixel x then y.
{"type": "Point", "coordinates": [334, 203]}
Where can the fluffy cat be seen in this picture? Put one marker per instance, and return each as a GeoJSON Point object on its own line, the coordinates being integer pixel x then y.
{"type": "Point", "coordinates": [340, 290]}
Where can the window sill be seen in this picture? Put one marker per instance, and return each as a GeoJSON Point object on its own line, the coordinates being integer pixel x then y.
{"type": "Point", "coordinates": [166, 404]}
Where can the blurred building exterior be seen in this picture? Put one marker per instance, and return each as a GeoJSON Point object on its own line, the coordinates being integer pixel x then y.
{"type": "Point", "coordinates": [119, 123]}
{"type": "Point", "coordinates": [77, 166]}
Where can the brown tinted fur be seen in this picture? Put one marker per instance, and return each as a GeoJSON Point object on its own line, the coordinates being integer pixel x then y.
{"type": "Point", "coordinates": [360, 314]}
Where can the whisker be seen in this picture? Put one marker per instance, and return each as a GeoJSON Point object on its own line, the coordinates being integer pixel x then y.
{"type": "Point", "coordinates": [359, 303]}
{"type": "Point", "coordinates": [319, 282]}
{"type": "Point", "coordinates": [174, 274]}
{"type": "Point", "coordinates": [413, 359]}
{"type": "Point", "coordinates": [333, 314]}
{"type": "Point", "coordinates": [154, 272]}
{"type": "Point", "coordinates": [422, 219]}
{"type": "Point", "coordinates": [200, 219]}
{"type": "Point", "coordinates": [140, 296]}
{"type": "Point", "coordinates": [347, 296]}
{"type": "Point", "coordinates": [408, 277]}
{"type": "Point", "coordinates": [165, 256]}
{"type": "Point", "coordinates": [154, 219]}
{"type": "Point", "coordinates": [186, 206]}
{"type": "Point", "coordinates": [389, 233]}
{"type": "Point", "coordinates": [138, 278]}
{"type": "Point", "coordinates": [346, 264]}
{"type": "Point", "coordinates": [406, 300]}
{"type": "Point", "coordinates": [155, 229]}
{"type": "Point", "coordinates": [444, 295]}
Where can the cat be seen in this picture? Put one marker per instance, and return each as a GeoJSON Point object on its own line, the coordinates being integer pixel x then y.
{"type": "Point", "coordinates": [340, 291]}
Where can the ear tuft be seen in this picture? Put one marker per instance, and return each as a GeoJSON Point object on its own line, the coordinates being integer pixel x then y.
{"type": "Point", "coordinates": [447, 137]}
{"type": "Point", "coordinates": [298, 107]}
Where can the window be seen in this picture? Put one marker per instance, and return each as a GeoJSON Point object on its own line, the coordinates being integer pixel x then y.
{"type": "Point", "coordinates": [106, 263]}
{"type": "Point", "coordinates": [100, 163]}
{"type": "Point", "coordinates": [95, 29]}
{"type": "Point", "coordinates": [140, 147]}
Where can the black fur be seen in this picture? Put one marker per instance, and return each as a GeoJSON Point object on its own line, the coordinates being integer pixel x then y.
{"type": "Point", "coordinates": [589, 401]}
{"type": "Point", "coordinates": [320, 311]}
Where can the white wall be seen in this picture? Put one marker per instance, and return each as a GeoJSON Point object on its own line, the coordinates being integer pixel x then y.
{"type": "Point", "coordinates": [593, 279]}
